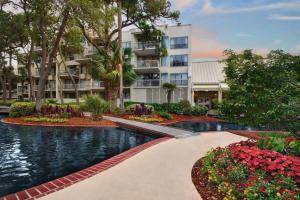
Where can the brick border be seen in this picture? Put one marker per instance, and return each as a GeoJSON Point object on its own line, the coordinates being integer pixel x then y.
{"type": "Point", "coordinates": [66, 181]}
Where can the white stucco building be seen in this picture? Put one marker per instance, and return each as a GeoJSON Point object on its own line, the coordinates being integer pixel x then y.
{"type": "Point", "coordinates": [198, 82]}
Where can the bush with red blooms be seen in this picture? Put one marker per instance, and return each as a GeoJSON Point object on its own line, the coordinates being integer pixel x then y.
{"type": "Point", "coordinates": [243, 171]}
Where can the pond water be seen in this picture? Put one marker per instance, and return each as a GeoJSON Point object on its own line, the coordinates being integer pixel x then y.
{"type": "Point", "coordinates": [31, 155]}
{"type": "Point", "coordinates": [211, 126]}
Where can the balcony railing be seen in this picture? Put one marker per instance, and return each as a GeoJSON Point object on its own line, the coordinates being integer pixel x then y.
{"type": "Point", "coordinates": [159, 82]}
{"type": "Point", "coordinates": [147, 63]}
{"type": "Point", "coordinates": [145, 45]}
{"type": "Point", "coordinates": [148, 83]}
{"type": "Point", "coordinates": [98, 84]}
{"type": "Point", "coordinates": [72, 72]}
{"type": "Point", "coordinates": [179, 82]}
{"type": "Point", "coordinates": [84, 86]}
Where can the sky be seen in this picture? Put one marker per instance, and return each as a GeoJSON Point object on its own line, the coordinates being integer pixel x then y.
{"type": "Point", "coordinates": [261, 25]}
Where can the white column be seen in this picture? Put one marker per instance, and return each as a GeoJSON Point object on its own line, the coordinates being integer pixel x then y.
{"type": "Point", "coordinates": [192, 92]}
{"type": "Point", "coordinates": [220, 95]}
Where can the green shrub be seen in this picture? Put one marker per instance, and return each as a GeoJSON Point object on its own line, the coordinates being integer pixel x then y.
{"type": "Point", "coordinates": [96, 105]}
{"type": "Point", "coordinates": [140, 109]}
{"type": "Point", "coordinates": [280, 144]}
{"type": "Point", "coordinates": [52, 101]}
{"type": "Point", "coordinates": [45, 119]}
{"type": "Point", "coordinates": [199, 110]}
{"type": "Point", "coordinates": [19, 109]}
{"type": "Point", "coordinates": [166, 115]}
{"type": "Point", "coordinates": [128, 103]}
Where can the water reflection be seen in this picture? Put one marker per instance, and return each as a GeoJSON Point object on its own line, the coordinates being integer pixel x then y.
{"type": "Point", "coordinates": [32, 155]}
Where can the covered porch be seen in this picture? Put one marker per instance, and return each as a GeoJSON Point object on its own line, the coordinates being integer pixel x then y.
{"type": "Point", "coordinates": [206, 94]}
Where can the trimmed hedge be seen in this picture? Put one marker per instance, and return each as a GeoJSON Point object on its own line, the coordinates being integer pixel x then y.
{"type": "Point", "coordinates": [19, 109]}
{"type": "Point", "coordinates": [181, 108]}
{"type": "Point", "coordinates": [166, 115]}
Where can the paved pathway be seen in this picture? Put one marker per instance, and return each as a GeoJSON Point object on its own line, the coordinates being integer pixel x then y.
{"type": "Point", "coordinates": [162, 172]}
{"type": "Point", "coordinates": [178, 133]}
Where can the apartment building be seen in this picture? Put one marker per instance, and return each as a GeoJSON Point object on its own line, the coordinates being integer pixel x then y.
{"type": "Point", "coordinates": [151, 69]}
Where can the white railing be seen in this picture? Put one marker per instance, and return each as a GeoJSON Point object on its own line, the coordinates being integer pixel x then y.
{"type": "Point", "coordinates": [145, 45]}
{"type": "Point", "coordinates": [147, 63]}
{"type": "Point", "coordinates": [159, 82]}
{"type": "Point", "coordinates": [84, 86]}
{"type": "Point", "coordinates": [147, 83]}
{"type": "Point", "coordinates": [98, 84]}
{"type": "Point", "coordinates": [179, 82]}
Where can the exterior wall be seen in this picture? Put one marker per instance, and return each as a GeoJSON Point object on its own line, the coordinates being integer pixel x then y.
{"type": "Point", "coordinates": [58, 79]}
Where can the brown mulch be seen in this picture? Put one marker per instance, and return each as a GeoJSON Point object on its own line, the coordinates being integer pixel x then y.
{"type": "Point", "coordinates": [177, 118]}
{"type": "Point", "coordinates": [74, 122]}
{"type": "Point", "coordinates": [207, 190]}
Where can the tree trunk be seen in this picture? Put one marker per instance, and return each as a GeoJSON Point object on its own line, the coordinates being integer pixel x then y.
{"type": "Point", "coordinates": [169, 100]}
{"type": "Point", "coordinates": [9, 90]}
{"type": "Point", "coordinates": [28, 66]}
{"type": "Point", "coordinates": [112, 96]}
{"type": "Point", "coordinates": [22, 90]}
{"type": "Point", "coordinates": [121, 53]}
{"type": "Point", "coordinates": [44, 72]}
{"type": "Point", "coordinates": [4, 98]}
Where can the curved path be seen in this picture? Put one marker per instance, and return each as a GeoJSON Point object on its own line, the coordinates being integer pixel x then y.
{"type": "Point", "coordinates": [162, 172]}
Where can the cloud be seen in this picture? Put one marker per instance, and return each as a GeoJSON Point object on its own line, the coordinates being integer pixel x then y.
{"type": "Point", "coordinates": [244, 35]}
{"type": "Point", "coordinates": [206, 44]}
{"type": "Point", "coordinates": [284, 18]}
{"type": "Point", "coordinates": [298, 47]}
{"type": "Point", "coordinates": [183, 4]}
{"type": "Point", "coordinates": [209, 8]}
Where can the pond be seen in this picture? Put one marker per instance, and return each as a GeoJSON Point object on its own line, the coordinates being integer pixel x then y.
{"type": "Point", "coordinates": [31, 155]}
{"type": "Point", "coordinates": [211, 126]}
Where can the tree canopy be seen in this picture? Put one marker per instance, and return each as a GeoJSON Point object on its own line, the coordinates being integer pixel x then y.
{"type": "Point", "coordinates": [263, 91]}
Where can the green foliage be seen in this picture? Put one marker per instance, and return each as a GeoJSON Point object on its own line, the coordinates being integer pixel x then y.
{"type": "Point", "coordinates": [262, 91]}
{"type": "Point", "coordinates": [166, 115]}
{"type": "Point", "coordinates": [52, 101]}
{"type": "Point", "coordinates": [280, 144]}
{"type": "Point", "coordinates": [199, 110]}
{"type": "Point", "coordinates": [96, 105]}
{"type": "Point", "coordinates": [238, 173]}
{"type": "Point", "coordinates": [19, 109]}
{"type": "Point", "coordinates": [45, 119]}
{"type": "Point", "coordinates": [184, 107]}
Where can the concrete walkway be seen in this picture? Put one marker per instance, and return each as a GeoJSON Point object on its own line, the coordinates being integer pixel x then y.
{"type": "Point", "coordinates": [162, 172]}
{"type": "Point", "coordinates": [177, 133]}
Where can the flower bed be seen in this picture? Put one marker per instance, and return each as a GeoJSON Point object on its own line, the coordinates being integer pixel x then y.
{"type": "Point", "coordinates": [73, 121]}
{"type": "Point", "coordinates": [243, 171]}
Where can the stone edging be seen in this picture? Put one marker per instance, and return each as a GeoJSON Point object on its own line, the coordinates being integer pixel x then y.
{"type": "Point", "coordinates": [66, 181]}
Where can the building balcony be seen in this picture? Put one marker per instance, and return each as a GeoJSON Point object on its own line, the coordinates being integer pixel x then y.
{"type": "Point", "coordinates": [159, 82]}
{"type": "Point", "coordinates": [145, 48]}
{"type": "Point", "coordinates": [98, 85]}
{"type": "Point", "coordinates": [148, 83]}
{"type": "Point", "coordinates": [179, 82]}
{"type": "Point", "coordinates": [151, 66]}
{"type": "Point", "coordinates": [65, 74]}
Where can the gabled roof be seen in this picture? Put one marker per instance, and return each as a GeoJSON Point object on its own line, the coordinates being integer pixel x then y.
{"type": "Point", "coordinates": [208, 72]}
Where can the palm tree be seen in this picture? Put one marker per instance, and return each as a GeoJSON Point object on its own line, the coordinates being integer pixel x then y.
{"type": "Point", "coordinates": [169, 87]}
{"type": "Point", "coordinates": [105, 68]}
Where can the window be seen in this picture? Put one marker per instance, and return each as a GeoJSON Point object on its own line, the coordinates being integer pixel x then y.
{"type": "Point", "coordinates": [179, 60]}
{"type": "Point", "coordinates": [126, 45]}
{"type": "Point", "coordinates": [126, 93]}
{"type": "Point", "coordinates": [179, 78]}
{"type": "Point", "coordinates": [179, 42]}
{"type": "Point", "coordinates": [164, 78]}
{"type": "Point", "coordinates": [164, 61]}
{"type": "Point", "coordinates": [165, 41]}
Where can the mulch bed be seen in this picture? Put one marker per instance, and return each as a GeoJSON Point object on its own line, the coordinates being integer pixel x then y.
{"type": "Point", "coordinates": [207, 190]}
{"type": "Point", "coordinates": [177, 118]}
{"type": "Point", "coordinates": [74, 122]}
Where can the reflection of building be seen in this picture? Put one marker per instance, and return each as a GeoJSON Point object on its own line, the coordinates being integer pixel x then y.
{"type": "Point", "coordinates": [208, 82]}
